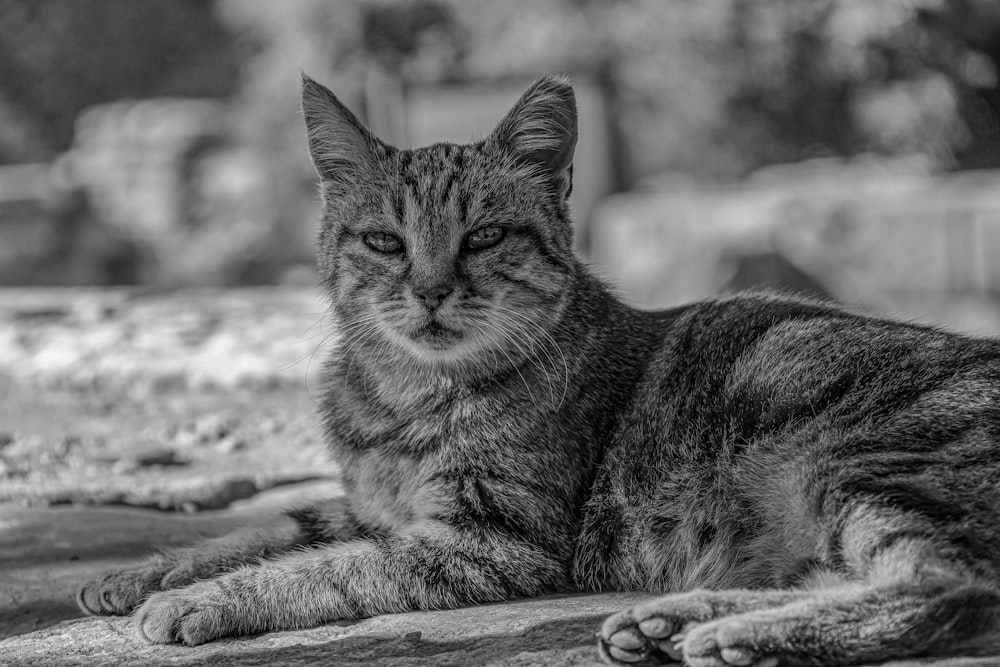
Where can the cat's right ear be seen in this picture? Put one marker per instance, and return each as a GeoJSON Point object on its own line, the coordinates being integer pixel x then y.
{"type": "Point", "coordinates": [341, 147]}
{"type": "Point", "coordinates": [541, 129]}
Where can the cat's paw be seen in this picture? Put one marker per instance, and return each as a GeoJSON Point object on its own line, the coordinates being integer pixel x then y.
{"type": "Point", "coordinates": [118, 593]}
{"type": "Point", "coordinates": [191, 616]}
{"type": "Point", "coordinates": [647, 634]}
{"type": "Point", "coordinates": [727, 642]}
{"type": "Point", "coordinates": [699, 628]}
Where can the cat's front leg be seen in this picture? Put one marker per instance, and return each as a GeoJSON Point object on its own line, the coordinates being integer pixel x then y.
{"type": "Point", "coordinates": [434, 567]}
{"type": "Point", "coordinates": [119, 592]}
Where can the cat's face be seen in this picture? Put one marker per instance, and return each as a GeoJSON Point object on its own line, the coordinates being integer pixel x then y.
{"type": "Point", "coordinates": [453, 256]}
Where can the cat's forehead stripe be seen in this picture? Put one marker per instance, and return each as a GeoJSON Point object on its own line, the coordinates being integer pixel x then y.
{"type": "Point", "coordinates": [431, 192]}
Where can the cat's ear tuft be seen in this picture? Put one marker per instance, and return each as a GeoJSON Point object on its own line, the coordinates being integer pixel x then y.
{"type": "Point", "coordinates": [341, 147]}
{"type": "Point", "coordinates": [542, 126]}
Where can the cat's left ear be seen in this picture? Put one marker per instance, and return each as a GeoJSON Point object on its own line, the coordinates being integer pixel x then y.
{"type": "Point", "coordinates": [542, 129]}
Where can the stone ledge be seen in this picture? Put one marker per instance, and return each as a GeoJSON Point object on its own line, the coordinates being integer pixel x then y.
{"type": "Point", "coordinates": [554, 632]}
{"type": "Point", "coordinates": [49, 553]}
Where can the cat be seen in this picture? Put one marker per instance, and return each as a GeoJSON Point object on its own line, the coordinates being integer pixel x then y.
{"type": "Point", "coordinates": [802, 483]}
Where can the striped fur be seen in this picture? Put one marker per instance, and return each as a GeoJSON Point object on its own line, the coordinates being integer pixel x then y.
{"type": "Point", "coordinates": [804, 483]}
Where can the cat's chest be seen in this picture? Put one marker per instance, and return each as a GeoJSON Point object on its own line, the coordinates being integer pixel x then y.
{"type": "Point", "coordinates": [410, 462]}
{"type": "Point", "coordinates": [422, 419]}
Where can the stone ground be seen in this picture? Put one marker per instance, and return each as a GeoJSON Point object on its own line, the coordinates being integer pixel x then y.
{"type": "Point", "coordinates": [131, 421]}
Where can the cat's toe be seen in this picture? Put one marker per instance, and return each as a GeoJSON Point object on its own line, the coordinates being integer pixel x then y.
{"type": "Point", "coordinates": [88, 598]}
{"type": "Point", "coordinates": [188, 616]}
{"type": "Point", "coordinates": [625, 638]}
{"type": "Point", "coordinates": [628, 639]}
{"type": "Point", "coordinates": [725, 643]}
{"type": "Point", "coordinates": [117, 593]}
{"type": "Point", "coordinates": [657, 627]}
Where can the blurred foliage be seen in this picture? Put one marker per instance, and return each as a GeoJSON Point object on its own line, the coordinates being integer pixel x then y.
{"type": "Point", "coordinates": [846, 76]}
{"type": "Point", "coordinates": [720, 87]}
{"type": "Point", "coordinates": [706, 88]}
{"type": "Point", "coordinates": [711, 87]}
{"type": "Point", "coordinates": [58, 57]}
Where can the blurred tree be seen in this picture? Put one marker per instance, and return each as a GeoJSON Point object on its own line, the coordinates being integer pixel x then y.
{"type": "Point", "coordinates": [710, 87]}
{"type": "Point", "coordinates": [422, 39]}
{"type": "Point", "coordinates": [60, 56]}
{"type": "Point", "coordinates": [969, 32]}
{"type": "Point", "coordinates": [720, 87]}
{"type": "Point", "coordinates": [838, 77]}
{"type": "Point", "coordinates": [322, 39]}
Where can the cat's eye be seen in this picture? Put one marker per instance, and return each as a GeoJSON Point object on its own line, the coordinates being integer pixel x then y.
{"type": "Point", "coordinates": [484, 237]}
{"type": "Point", "coordinates": [383, 242]}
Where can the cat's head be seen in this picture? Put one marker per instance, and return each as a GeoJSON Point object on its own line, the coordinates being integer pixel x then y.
{"type": "Point", "coordinates": [450, 255]}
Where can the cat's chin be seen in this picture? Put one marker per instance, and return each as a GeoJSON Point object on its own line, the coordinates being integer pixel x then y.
{"type": "Point", "coordinates": [459, 358]}
{"type": "Point", "coordinates": [454, 357]}
{"type": "Point", "coordinates": [439, 346]}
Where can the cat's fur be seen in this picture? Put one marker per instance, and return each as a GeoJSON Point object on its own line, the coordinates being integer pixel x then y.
{"type": "Point", "coordinates": [808, 484]}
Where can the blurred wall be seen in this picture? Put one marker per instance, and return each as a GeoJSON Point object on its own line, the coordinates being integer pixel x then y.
{"type": "Point", "coordinates": [888, 235]}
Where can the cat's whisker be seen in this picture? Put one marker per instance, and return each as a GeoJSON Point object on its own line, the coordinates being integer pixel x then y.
{"type": "Point", "coordinates": [321, 319]}
{"type": "Point", "coordinates": [514, 334]}
{"type": "Point", "coordinates": [357, 346]}
{"type": "Point", "coordinates": [506, 336]}
{"type": "Point", "coordinates": [545, 334]}
{"type": "Point", "coordinates": [529, 356]}
{"type": "Point", "coordinates": [526, 322]}
{"type": "Point", "coordinates": [353, 334]}
{"type": "Point", "coordinates": [335, 331]}
{"type": "Point", "coordinates": [368, 329]}
{"type": "Point", "coordinates": [325, 336]}
{"type": "Point", "coordinates": [383, 352]}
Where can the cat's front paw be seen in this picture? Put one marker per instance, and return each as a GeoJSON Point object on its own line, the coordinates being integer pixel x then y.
{"type": "Point", "coordinates": [118, 593]}
{"type": "Point", "coordinates": [727, 642]}
{"type": "Point", "coordinates": [646, 634]}
{"type": "Point", "coordinates": [191, 616]}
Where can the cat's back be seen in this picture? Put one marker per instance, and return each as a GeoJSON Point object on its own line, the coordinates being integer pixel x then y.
{"type": "Point", "coordinates": [735, 369]}
{"type": "Point", "coordinates": [780, 345]}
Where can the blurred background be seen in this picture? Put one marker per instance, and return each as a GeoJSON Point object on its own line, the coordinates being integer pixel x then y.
{"type": "Point", "coordinates": [846, 148]}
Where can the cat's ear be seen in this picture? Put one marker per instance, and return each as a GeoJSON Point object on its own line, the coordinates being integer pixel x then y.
{"type": "Point", "coordinates": [542, 128]}
{"type": "Point", "coordinates": [341, 147]}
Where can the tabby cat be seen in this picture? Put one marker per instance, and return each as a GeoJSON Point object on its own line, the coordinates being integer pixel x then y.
{"type": "Point", "coordinates": [806, 484]}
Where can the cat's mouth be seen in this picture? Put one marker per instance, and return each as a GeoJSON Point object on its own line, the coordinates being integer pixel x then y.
{"type": "Point", "coordinates": [436, 335]}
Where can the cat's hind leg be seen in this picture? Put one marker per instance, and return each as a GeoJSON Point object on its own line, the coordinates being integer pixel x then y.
{"type": "Point", "coordinates": [903, 593]}
{"type": "Point", "coordinates": [119, 592]}
{"type": "Point", "coordinates": [839, 626]}
{"type": "Point", "coordinates": [850, 627]}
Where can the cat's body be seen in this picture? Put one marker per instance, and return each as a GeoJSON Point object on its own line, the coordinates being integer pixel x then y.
{"type": "Point", "coordinates": [507, 428]}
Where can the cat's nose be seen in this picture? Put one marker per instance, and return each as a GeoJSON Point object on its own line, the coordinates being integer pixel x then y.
{"type": "Point", "coordinates": [432, 296]}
